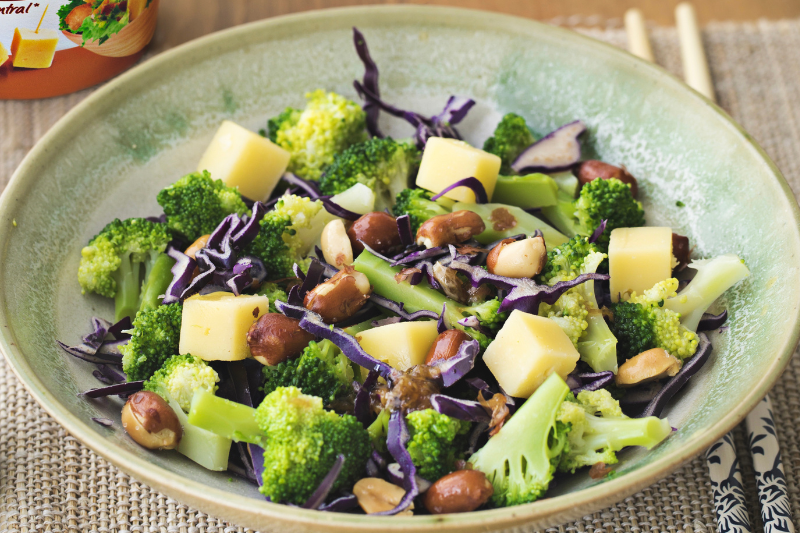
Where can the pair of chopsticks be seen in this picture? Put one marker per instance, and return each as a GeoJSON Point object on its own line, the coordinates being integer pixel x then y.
{"type": "Point", "coordinates": [723, 465]}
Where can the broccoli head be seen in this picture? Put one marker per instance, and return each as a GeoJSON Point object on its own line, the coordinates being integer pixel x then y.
{"type": "Point", "coordinates": [284, 234]}
{"type": "Point", "coordinates": [119, 258]}
{"type": "Point", "coordinates": [303, 441]}
{"type": "Point", "coordinates": [598, 430]}
{"type": "Point", "coordinates": [437, 441]}
{"type": "Point", "coordinates": [521, 459]}
{"type": "Point", "coordinates": [609, 200]}
{"type": "Point", "coordinates": [322, 370]}
{"type": "Point", "coordinates": [313, 136]}
{"type": "Point", "coordinates": [196, 204]}
{"type": "Point", "coordinates": [643, 323]}
{"type": "Point", "coordinates": [417, 204]}
{"type": "Point", "coordinates": [180, 376]}
{"type": "Point", "coordinates": [510, 138]}
{"type": "Point", "coordinates": [383, 165]}
{"type": "Point", "coordinates": [274, 293]}
{"type": "Point", "coordinates": [154, 339]}
{"type": "Point", "coordinates": [566, 261]}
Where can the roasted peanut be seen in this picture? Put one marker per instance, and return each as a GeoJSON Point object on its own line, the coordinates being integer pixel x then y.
{"type": "Point", "coordinates": [452, 228]}
{"type": "Point", "coordinates": [681, 250]}
{"type": "Point", "coordinates": [647, 366]}
{"type": "Point", "coordinates": [446, 345]}
{"type": "Point", "coordinates": [517, 259]}
{"type": "Point", "coordinates": [376, 495]}
{"type": "Point", "coordinates": [461, 491]}
{"type": "Point", "coordinates": [335, 244]}
{"type": "Point", "coordinates": [592, 169]}
{"type": "Point", "coordinates": [339, 297]}
{"type": "Point", "coordinates": [274, 338]}
{"type": "Point", "coordinates": [197, 245]}
{"type": "Point", "coordinates": [377, 229]}
{"type": "Point", "coordinates": [151, 422]}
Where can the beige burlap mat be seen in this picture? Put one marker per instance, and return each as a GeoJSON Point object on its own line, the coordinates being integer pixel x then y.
{"type": "Point", "coordinates": [50, 482]}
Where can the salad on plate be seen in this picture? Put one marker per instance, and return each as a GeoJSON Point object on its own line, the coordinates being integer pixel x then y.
{"type": "Point", "coordinates": [355, 323]}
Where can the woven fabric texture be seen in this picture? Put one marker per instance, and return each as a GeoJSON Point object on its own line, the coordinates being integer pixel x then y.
{"type": "Point", "coordinates": [50, 482]}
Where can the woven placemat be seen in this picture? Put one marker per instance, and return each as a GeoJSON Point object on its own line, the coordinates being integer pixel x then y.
{"type": "Point", "coordinates": [50, 482]}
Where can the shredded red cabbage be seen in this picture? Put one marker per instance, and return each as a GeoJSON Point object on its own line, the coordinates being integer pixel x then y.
{"type": "Point", "coordinates": [419, 255]}
{"type": "Point", "coordinates": [182, 272]}
{"type": "Point", "coordinates": [249, 230]}
{"type": "Point", "coordinates": [558, 150]}
{"type": "Point", "coordinates": [598, 231]}
{"type": "Point", "coordinates": [453, 369]}
{"type": "Point", "coordinates": [472, 183]}
{"type": "Point", "coordinates": [589, 381]}
{"type": "Point", "coordinates": [308, 188]}
{"type": "Point", "coordinates": [361, 408]}
{"type": "Point", "coordinates": [318, 497]}
{"type": "Point", "coordinates": [120, 388]}
{"type": "Point", "coordinates": [404, 229]}
{"type": "Point", "coordinates": [370, 82]}
{"type": "Point", "coordinates": [398, 308]}
{"type": "Point", "coordinates": [396, 443]}
{"type": "Point", "coordinates": [342, 504]}
{"type": "Point", "coordinates": [461, 409]}
{"type": "Point", "coordinates": [394, 474]}
{"type": "Point", "coordinates": [91, 355]}
{"type": "Point", "coordinates": [100, 327]}
{"type": "Point", "coordinates": [118, 330]}
{"type": "Point", "coordinates": [710, 322]}
{"type": "Point", "coordinates": [442, 324]}
{"type": "Point", "coordinates": [336, 210]}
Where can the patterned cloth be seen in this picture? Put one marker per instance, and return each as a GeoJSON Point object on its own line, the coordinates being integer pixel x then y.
{"type": "Point", "coordinates": [50, 482]}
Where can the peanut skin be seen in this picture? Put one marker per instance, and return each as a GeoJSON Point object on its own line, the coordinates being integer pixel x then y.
{"type": "Point", "coordinates": [276, 338]}
{"type": "Point", "coordinates": [446, 345]}
{"type": "Point", "coordinates": [377, 229]}
{"type": "Point", "coordinates": [592, 169]}
{"type": "Point", "coordinates": [459, 492]}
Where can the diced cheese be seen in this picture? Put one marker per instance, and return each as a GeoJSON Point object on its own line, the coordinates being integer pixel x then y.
{"type": "Point", "coordinates": [526, 351]}
{"type": "Point", "coordinates": [402, 345]}
{"type": "Point", "coordinates": [34, 50]}
{"type": "Point", "coordinates": [214, 326]}
{"type": "Point", "coordinates": [243, 159]}
{"type": "Point", "coordinates": [638, 258]}
{"type": "Point", "coordinates": [445, 161]}
{"type": "Point", "coordinates": [3, 54]}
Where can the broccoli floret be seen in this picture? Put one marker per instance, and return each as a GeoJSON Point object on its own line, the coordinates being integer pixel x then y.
{"type": "Point", "coordinates": [313, 136]}
{"type": "Point", "coordinates": [437, 441]}
{"type": "Point", "coordinates": [598, 430]}
{"type": "Point", "coordinates": [417, 204]}
{"type": "Point", "coordinates": [379, 430]}
{"type": "Point", "coordinates": [569, 312]}
{"type": "Point", "coordinates": [154, 339]}
{"type": "Point", "coordinates": [285, 233]}
{"type": "Point", "coordinates": [303, 441]}
{"type": "Point", "coordinates": [643, 323]}
{"type": "Point", "coordinates": [274, 293]}
{"type": "Point", "coordinates": [196, 204]}
{"type": "Point", "coordinates": [609, 200]}
{"type": "Point", "coordinates": [383, 165]}
{"type": "Point", "coordinates": [488, 314]}
{"type": "Point", "coordinates": [713, 278]}
{"type": "Point", "coordinates": [180, 376]}
{"type": "Point", "coordinates": [119, 258]}
{"type": "Point", "coordinates": [566, 261]}
{"type": "Point", "coordinates": [322, 370]}
{"type": "Point", "coordinates": [510, 138]}
{"type": "Point", "coordinates": [521, 459]}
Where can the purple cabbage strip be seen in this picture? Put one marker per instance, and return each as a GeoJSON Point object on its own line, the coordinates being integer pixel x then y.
{"type": "Point", "coordinates": [404, 229]}
{"type": "Point", "coordinates": [212, 288]}
{"type": "Point", "coordinates": [394, 474]}
{"type": "Point", "coordinates": [526, 294]}
{"type": "Point", "coordinates": [239, 282]}
{"type": "Point", "coordinates": [598, 231]}
{"type": "Point", "coordinates": [102, 378]}
{"type": "Point", "coordinates": [223, 229]}
{"type": "Point", "coordinates": [419, 255]}
{"type": "Point", "coordinates": [118, 330]}
{"type": "Point", "coordinates": [160, 219]}
{"type": "Point", "coordinates": [336, 210]}
{"type": "Point", "coordinates": [361, 404]}
{"type": "Point", "coordinates": [207, 271]}
{"type": "Point", "coordinates": [111, 349]}
{"type": "Point", "coordinates": [111, 373]}
{"type": "Point", "coordinates": [396, 443]}
{"type": "Point", "coordinates": [319, 495]}
{"type": "Point", "coordinates": [453, 369]}
{"type": "Point", "coordinates": [636, 399]}
{"type": "Point", "coordinates": [86, 353]}
{"type": "Point", "coordinates": [398, 308]}
{"type": "Point", "coordinates": [709, 322]}
{"type": "Point", "coordinates": [472, 183]}
{"type": "Point", "coordinates": [368, 248]}
{"type": "Point", "coordinates": [474, 436]}
{"type": "Point", "coordinates": [257, 457]}
{"type": "Point", "coordinates": [589, 381]}
{"type": "Point", "coordinates": [298, 272]}
{"type": "Point", "coordinates": [479, 385]}
{"type": "Point", "coordinates": [313, 277]}
{"type": "Point", "coordinates": [427, 268]}
{"type": "Point", "coordinates": [677, 382]}
{"type": "Point", "coordinates": [474, 323]}
{"type": "Point", "coordinates": [313, 323]}
{"type": "Point", "coordinates": [103, 422]}
{"type": "Point", "coordinates": [558, 150]}
{"type": "Point", "coordinates": [461, 409]}
{"type": "Point", "coordinates": [342, 504]}
{"type": "Point", "coordinates": [294, 298]}
{"type": "Point", "coordinates": [256, 270]}
{"type": "Point", "coordinates": [241, 388]}
{"type": "Point", "coordinates": [182, 272]}
{"type": "Point", "coordinates": [120, 388]}
{"type": "Point", "coordinates": [95, 338]}
{"type": "Point", "coordinates": [249, 230]}
{"type": "Point", "coordinates": [308, 187]}
{"type": "Point", "coordinates": [386, 321]}
{"type": "Point", "coordinates": [370, 82]}
{"type": "Point", "coordinates": [442, 324]}
{"type": "Point", "coordinates": [367, 312]}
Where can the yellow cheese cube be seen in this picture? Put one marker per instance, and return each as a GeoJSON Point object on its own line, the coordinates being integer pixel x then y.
{"type": "Point", "coordinates": [241, 158]}
{"type": "Point", "coordinates": [402, 345]}
{"type": "Point", "coordinates": [3, 54]}
{"type": "Point", "coordinates": [526, 351]}
{"type": "Point", "coordinates": [34, 50]}
{"type": "Point", "coordinates": [638, 258]}
{"type": "Point", "coordinates": [445, 161]}
{"type": "Point", "coordinates": [214, 326]}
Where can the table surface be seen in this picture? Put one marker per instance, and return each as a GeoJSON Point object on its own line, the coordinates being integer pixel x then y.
{"type": "Point", "coordinates": [181, 20]}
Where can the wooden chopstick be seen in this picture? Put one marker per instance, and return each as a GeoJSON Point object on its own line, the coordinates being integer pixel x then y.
{"type": "Point", "coordinates": [638, 41]}
{"type": "Point", "coordinates": [693, 55]}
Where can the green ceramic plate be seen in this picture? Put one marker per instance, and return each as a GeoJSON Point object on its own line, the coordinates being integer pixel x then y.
{"type": "Point", "coordinates": [110, 155]}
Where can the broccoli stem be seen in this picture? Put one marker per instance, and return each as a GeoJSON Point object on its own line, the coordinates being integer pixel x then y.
{"type": "Point", "coordinates": [597, 345]}
{"type": "Point", "coordinates": [503, 221]}
{"type": "Point", "coordinates": [617, 433]}
{"type": "Point", "coordinates": [157, 282]}
{"type": "Point", "coordinates": [129, 283]}
{"type": "Point", "coordinates": [224, 418]}
{"type": "Point", "coordinates": [562, 215]}
{"type": "Point", "coordinates": [201, 446]}
{"type": "Point", "coordinates": [527, 192]}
